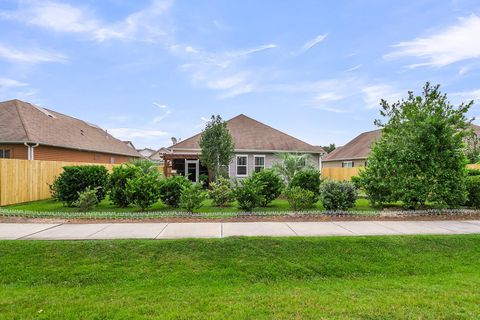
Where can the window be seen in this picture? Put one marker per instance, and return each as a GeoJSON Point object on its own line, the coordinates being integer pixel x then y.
{"type": "Point", "coordinates": [242, 162]}
{"type": "Point", "coordinates": [347, 164]}
{"type": "Point", "coordinates": [112, 160]}
{"type": "Point", "coordinates": [5, 153]}
{"type": "Point", "coordinates": [259, 163]}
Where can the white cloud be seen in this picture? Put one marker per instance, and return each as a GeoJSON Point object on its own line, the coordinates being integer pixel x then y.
{"type": "Point", "coordinates": [222, 72]}
{"type": "Point", "coordinates": [358, 66]}
{"type": "Point", "coordinates": [466, 96]}
{"type": "Point", "coordinates": [312, 43]}
{"type": "Point", "coordinates": [372, 94]}
{"type": "Point", "coordinates": [166, 112]}
{"type": "Point", "coordinates": [32, 56]}
{"type": "Point", "coordinates": [65, 18]}
{"type": "Point", "coordinates": [11, 83]}
{"type": "Point", "coordinates": [456, 43]}
{"type": "Point", "coordinates": [129, 133]}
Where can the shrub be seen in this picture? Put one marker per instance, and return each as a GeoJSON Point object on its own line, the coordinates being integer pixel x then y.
{"type": "Point", "coordinates": [300, 199]}
{"type": "Point", "coordinates": [143, 190]}
{"type": "Point", "coordinates": [338, 195]}
{"type": "Point", "coordinates": [192, 197]}
{"type": "Point", "coordinates": [221, 192]}
{"type": "Point", "coordinates": [473, 191]}
{"type": "Point", "coordinates": [118, 181]}
{"type": "Point", "coordinates": [203, 179]}
{"type": "Point", "coordinates": [308, 179]}
{"type": "Point", "coordinates": [75, 179]}
{"type": "Point", "coordinates": [171, 190]}
{"type": "Point", "coordinates": [473, 172]}
{"type": "Point", "coordinates": [356, 181]}
{"type": "Point", "coordinates": [249, 194]}
{"type": "Point", "coordinates": [272, 185]}
{"type": "Point", "coordinates": [87, 199]}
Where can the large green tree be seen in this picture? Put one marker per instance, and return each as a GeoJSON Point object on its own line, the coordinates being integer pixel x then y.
{"type": "Point", "coordinates": [217, 146]}
{"type": "Point", "coordinates": [420, 157]}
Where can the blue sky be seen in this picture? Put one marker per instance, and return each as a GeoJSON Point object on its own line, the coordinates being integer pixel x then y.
{"type": "Point", "coordinates": [150, 70]}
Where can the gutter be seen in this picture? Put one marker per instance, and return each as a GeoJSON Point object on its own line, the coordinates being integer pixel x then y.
{"type": "Point", "coordinates": [30, 153]}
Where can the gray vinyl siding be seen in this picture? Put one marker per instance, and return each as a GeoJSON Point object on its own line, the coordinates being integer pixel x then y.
{"type": "Point", "coordinates": [270, 159]}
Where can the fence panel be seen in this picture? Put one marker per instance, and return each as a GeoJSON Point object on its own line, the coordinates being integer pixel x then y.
{"type": "Point", "coordinates": [29, 180]}
{"type": "Point", "coordinates": [336, 173]}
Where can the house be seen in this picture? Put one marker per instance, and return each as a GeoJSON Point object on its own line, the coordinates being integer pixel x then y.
{"type": "Point", "coordinates": [157, 156]}
{"type": "Point", "coordinates": [30, 132]}
{"type": "Point", "coordinates": [146, 152]}
{"type": "Point", "coordinates": [257, 146]}
{"type": "Point", "coordinates": [356, 152]}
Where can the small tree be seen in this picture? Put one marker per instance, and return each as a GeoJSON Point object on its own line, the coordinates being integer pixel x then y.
{"type": "Point", "coordinates": [192, 197]}
{"type": "Point", "coordinates": [217, 146]}
{"type": "Point", "coordinates": [290, 164]}
{"type": "Point", "coordinates": [329, 148]}
{"type": "Point", "coordinates": [143, 190]}
{"type": "Point", "coordinates": [420, 156]}
{"type": "Point", "coordinates": [272, 185]}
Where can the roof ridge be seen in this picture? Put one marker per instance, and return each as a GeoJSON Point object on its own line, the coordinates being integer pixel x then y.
{"type": "Point", "coordinates": [20, 116]}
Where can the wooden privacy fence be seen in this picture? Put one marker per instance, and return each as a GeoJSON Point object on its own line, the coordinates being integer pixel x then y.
{"type": "Point", "coordinates": [337, 173]}
{"type": "Point", "coordinates": [29, 180]}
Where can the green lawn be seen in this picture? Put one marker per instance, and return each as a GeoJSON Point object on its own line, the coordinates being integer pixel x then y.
{"type": "Point", "coordinates": [52, 205]}
{"type": "Point", "coordinates": [415, 277]}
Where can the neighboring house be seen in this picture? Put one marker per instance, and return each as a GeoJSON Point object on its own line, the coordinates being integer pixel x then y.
{"type": "Point", "coordinates": [31, 132]}
{"type": "Point", "coordinates": [356, 152]}
{"type": "Point", "coordinates": [157, 156]}
{"type": "Point", "coordinates": [146, 152]}
{"type": "Point", "coordinates": [130, 144]}
{"type": "Point", "coordinates": [257, 146]}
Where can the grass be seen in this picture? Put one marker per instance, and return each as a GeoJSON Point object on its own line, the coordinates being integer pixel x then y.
{"type": "Point", "coordinates": [51, 205]}
{"type": "Point", "coordinates": [416, 277]}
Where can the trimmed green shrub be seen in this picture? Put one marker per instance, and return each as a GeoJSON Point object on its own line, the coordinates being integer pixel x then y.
{"type": "Point", "coordinates": [473, 191]}
{"type": "Point", "coordinates": [192, 197]}
{"type": "Point", "coordinates": [356, 181]}
{"type": "Point", "coordinates": [143, 190]}
{"type": "Point", "coordinates": [473, 172]}
{"type": "Point", "coordinates": [171, 190]}
{"type": "Point", "coordinates": [308, 179]}
{"type": "Point", "coordinates": [249, 194]}
{"type": "Point", "coordinates": [300, 199]}
{"type": "Point", "coordinates": [118, 181]}
{"type": "Point", "coordinates": [87, 199]}
{"type": "Point", "coordinates": [221, 192]}
{"type": "Point", "coordinates": [75, 179]}
{"type": "Point", "coordinates": [338, 195]}
{"type": "Point", "coordinates": [272, 185]}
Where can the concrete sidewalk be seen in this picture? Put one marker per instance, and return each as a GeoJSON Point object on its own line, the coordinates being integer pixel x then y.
{"type": "Point", "coordinates": [70, 231]}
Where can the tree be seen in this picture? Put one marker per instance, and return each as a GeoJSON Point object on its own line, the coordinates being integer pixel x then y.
{"type": "Point", "coordinates": [290, 164]}
{"type": "Point", "coordinates": [472, 147]}
{"type": "Point", "coordinates": [420, 156]}
{"type": "Point", "coordinates": [329, 148]}
{"type": "Point", "coordinates": [217, 146]}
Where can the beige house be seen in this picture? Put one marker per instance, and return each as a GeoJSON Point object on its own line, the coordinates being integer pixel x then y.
{"type": "Point", "coordinates": [257, 146]}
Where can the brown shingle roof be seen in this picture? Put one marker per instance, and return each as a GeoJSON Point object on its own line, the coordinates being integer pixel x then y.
{"type": "Point", "coordinates": [358, 148]}
{"type": "Point", "coordinates": [25, 122]}
{"type": "Point", "coordinates": [250, 134]}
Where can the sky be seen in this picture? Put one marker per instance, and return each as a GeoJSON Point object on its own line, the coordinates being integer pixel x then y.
{"type": "Point", "coordinates": [147, 71]}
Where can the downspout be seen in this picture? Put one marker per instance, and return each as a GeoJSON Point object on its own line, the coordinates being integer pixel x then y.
{"type": "Point", "coordinates": [30, 151]}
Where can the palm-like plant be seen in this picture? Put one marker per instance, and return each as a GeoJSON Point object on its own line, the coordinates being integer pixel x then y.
{"type": "Point", "coordinates": [290, 164]}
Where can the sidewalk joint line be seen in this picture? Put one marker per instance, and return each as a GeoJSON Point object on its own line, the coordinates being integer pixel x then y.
{"type": "Point", "coordinates": [90, 235]}
{"type": "Point", "coordinates": [352, 232]}
{"type": "Point", "coordinates": [31, 234]}
{"type": "Point", "coordinates": [161, 231]}
{"type": "Point", "coordinates": [389, 228]}
{"type": "Point", "coordinates": [291, 228]}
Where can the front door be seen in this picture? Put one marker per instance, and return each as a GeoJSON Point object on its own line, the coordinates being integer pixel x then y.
{"type": "Point", "coordinates": [191, 170]}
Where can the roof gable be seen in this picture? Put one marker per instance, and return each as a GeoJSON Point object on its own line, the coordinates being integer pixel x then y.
{"type": "Point", "coordinates": [250, 134]}
{"type": "Point", "coordinates": [358, 148]}
{"type": "Point", "coordinates": [29, 123]}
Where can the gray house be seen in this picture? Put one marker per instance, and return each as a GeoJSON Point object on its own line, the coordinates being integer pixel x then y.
{"type": "Point", "coordinates": [257, 146]}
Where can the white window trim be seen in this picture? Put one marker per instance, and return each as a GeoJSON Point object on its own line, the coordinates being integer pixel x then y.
{"type": "Point", "coordinates": [236, 165]}
{"type": "Point", "coordinates": [255, 162]}
{"type": "Point", "coordinates": [353, 164]}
